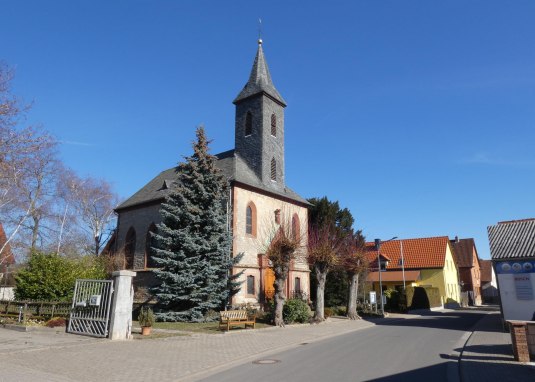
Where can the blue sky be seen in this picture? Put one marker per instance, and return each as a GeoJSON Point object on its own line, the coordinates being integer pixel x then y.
{"type": "Point", "coordinates": [418, 116]}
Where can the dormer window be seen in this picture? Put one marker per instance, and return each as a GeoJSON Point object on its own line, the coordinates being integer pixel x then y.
{"type": "Point", "coordinates": [273, 170]}
{"type": "Point", "coordinates": [273, 125]}
{"type": "Point", "coordinates": [248, 124]}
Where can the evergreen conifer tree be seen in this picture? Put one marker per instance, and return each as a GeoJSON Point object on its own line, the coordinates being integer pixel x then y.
{"type": "Point", "coordinates": [192, 244]}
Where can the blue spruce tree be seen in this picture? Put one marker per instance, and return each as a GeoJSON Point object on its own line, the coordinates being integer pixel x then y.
{"type": "Point", "coordinates": [192, 244]}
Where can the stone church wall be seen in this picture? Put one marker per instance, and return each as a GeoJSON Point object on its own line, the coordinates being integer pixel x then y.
{"type": "Point", "coordinates": [140, 219]}
{"type": "Point", "coordinates": [253, 246]}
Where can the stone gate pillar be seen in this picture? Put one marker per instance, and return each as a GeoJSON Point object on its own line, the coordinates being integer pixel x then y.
{"type": "Point", "coordinates": [121, 308]}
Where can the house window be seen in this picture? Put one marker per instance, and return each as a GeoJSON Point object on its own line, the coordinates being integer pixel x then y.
{"type": "Point", "coordinates": [130, 248]}
{"type": "Point", "coordinates": [250, 219]}
{"type": "Point", "coordinates": [248, 123]}
{"type": "Point", "coordinates": [149, 244]}
{"type": "Point", "coordinates": [273, 169]}
{"type": "Point", "coordinates": [273, 125]}
{"type": "Point", "coordinates": [250, 285]}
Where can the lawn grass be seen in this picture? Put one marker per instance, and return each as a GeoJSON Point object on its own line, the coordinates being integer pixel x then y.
{"type": "Point", "coordinates": [199, 327]}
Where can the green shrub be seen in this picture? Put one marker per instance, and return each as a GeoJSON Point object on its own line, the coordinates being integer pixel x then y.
{"type": "Point", "coordinates": [52, 277]}
{"type": "Point", "coordinates": [328, 312]}
{"type": "Point", "coordinates": [423, 297]}
{"type": "Point", "coordinates": [146, 317]}
{"type": "Point", "coordinates": [296, 310]}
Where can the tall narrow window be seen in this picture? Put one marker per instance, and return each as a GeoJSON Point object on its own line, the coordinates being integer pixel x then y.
{"type": "Point", "coordinates": [297, 285]}
{"type": "Point", "coordinates": [248, 123]}
{"type": "Point", "coordinates": [250, 285]}
{"type": "Point", "coordinates": [149, 243]}
{"type": "Point", "coordinates": [250, 219]}
{"type": "Point", "coordinates": [273, 125]}
{"type": "Point", "coordinates": [130, 248]}
{"type": "Point", "coordinates": [295, 227]}
{"type": "Point", "coordinates": [273, 169]}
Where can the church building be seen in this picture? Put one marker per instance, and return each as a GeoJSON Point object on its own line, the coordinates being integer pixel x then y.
{"type": "Point", "coordinates": [259, 199]}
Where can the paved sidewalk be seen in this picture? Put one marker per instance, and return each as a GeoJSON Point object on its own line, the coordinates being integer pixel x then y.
{"type": "Point", "coordinates": [488, 355]}
{"type": "Point", "coordinates": [66, 358]}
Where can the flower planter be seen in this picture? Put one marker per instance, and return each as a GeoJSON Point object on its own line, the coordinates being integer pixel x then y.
{"type": "Point", "coordinates": [145, 330]}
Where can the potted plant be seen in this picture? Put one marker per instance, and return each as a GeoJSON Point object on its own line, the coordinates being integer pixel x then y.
{"type": "Point", "coordinates": [146, 320]}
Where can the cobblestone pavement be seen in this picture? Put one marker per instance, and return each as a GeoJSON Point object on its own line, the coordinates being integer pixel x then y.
{"type": "Point", "coordinates": [54, 357]}
{"type": "Point", "coordinates": [488, 355]}
{"type": "Point", "coordinates": [59, 357]}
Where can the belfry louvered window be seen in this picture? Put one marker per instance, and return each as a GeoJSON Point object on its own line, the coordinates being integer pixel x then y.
{"type": "Point", "coordinates": [273, 169]}
{"type": "Point", "coordinates": [248, 123]}
{"type": "Point", "coordinates": [273, 125]}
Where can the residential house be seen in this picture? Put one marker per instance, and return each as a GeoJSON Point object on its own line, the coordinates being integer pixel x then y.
{"type": "Point", "coordinates": [259, 198]}
{"type": "Point", "coordinates": [417, 262]}
{"type": "Point", "coordinates": [489, 286]}
{"type": "Point", "coordinates": [512, 250]}
{"type": "Point", "coordinates": [467, 261]}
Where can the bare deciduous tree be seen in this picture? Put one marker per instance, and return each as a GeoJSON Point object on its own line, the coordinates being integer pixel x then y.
{"type": "Point", "coordinates": [94, 201]}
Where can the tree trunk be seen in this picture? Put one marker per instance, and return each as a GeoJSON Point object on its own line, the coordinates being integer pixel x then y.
{"type": "Point", "coordinates": [281, 274]}
{"type": "Point", "coordinates": [353, 293]}
{"type": "Point", "coordinates": [321, 276]}
{"type": "Point", "coordinates": [97, 244]}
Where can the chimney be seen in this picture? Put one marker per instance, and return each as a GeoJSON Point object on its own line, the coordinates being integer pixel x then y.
{"type": "Point", "coordinates": [456, 238]}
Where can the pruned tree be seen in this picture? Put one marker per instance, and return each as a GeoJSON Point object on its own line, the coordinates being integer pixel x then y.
{"type": "Point", "coordinates": [192, 244]}
{"type": "Point", "coordinates": [353, 261]}
{"type": "Point", "coordinates": [324, 246]}
{"type": "Point", "coordinates": [285, 245]}
{"type": "Point", "coordinates": [329, 226]}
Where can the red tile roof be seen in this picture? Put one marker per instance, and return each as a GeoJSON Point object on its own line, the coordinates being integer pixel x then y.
{"type": "Point", "coordinates": [463, 252]}
{"type": "Point", "coordinates": [428, 252]}
{"type": "Point", "coordinates": [486, 270]}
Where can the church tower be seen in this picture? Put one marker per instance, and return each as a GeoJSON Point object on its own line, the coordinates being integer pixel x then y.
{"type": "Point", "coordinates": [259, 139]}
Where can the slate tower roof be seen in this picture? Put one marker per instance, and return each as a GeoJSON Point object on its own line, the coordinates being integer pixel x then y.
{"type": "Point", "coordinates": [258, 158]}
{"type": "Point", "coordinates": [259, 80]}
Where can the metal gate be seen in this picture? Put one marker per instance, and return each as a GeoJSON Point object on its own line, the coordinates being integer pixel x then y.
{"type": "Point", "coordinates": [91, 305]}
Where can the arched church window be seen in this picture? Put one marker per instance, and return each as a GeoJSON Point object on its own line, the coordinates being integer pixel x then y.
{"type": "Point", "coordinates": [248, 123]}
{"type": "Point", "coordinates": [149, 243]}
{"type": "Point", "coordinates": [273, 125]}
{"type": "Point", "coordinates": [130, 248]}
{"type": "Point", "coordinates": [273, 169]}
{"type": "Point", "coordinates": [250, 219]}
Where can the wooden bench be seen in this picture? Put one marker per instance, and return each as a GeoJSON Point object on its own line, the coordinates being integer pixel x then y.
{"type": "Point", "coordinates": [227, 318]}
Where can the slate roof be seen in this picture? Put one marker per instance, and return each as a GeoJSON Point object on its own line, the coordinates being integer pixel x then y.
{"type": "Point", "coordinates": [512, 239]}
{"type": "Point", "coordinates": [486, 270]}
{"type": "Point", "coordinates": [260, 80]}
{"type": "Point", "coordinates": [233, 167]}
{"type": "Point", "coordinates": [428, 252]}
{"type": "Point", "coordinates": [463, 252]}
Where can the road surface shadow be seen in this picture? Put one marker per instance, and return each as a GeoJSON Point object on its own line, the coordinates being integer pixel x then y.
{"type": "Point", "coordinates": [456, 320]}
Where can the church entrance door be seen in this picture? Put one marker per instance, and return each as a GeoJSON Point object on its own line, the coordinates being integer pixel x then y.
{"type": "Point", "coordinates": [269, 280]}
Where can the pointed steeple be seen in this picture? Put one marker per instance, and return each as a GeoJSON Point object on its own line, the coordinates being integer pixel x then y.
{"type": "Point", "coordinates": [260, 80]}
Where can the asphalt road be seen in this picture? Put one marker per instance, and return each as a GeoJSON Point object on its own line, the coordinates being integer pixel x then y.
{"type": "Point", "coordinates": [406, 350]}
